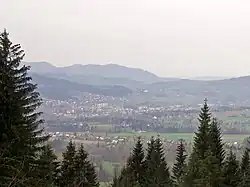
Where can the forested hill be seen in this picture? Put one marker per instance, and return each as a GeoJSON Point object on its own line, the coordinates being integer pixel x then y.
{"type": "Point", "coordinates": [119, 81]}
{"type": "Point", "coordinates": [107, 71]}
{"type": "Point", "coordinates": [54, 88]}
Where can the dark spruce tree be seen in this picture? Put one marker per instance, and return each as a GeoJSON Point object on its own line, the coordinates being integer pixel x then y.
{"type": "Point", "coordinates": [217, 152]}
{"type": "Point", "coordinates": [85, 174]}
{"type": "Point", "coordinates": [245, 162]}
{"type": "Point", "coordinates": [216, 145]}
{"type": "Point", "coordinates": [20, 135]}
{"type": "Point", "coordinates": [245, 169]}
{"type": "Point", "coordinates": [231, 171]}
{"type": "Point", "coordinates": [91, 176]}
{"type": "Point", "coordinates": [149, 162]}
{"type": "Point", "coordinates": [179, 168]}
{"type": "Point", "coordinates": [162, 172]}
{"type": "Point", "coordinates": [150, 149]}
{"type": "Point", "coordinates": [156, 166]}
{"type": "Point", "coordinates": [202, 136]}
{"type": "Point", "coordinates": [136, 165]}
{"type": "Point", "coordinates": [200, 148]}
{"type": "Point", "coordinates": [209, 174]}
{"type": "Point", "coordinates": [67, 170]}
{"type": "Point", "coordinates": [134, 171]}
{"type": "Point", "coordinates": [80, 167]}
{"type": "Point", "coordinates": [48, 167]}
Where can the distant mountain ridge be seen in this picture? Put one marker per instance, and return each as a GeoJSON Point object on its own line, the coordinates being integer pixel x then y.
{"type": "Point", "coordinates": [208, 78]}
{"type": "Point", "coordinates": [108, 71]}
{"type": "Point", "coordinates": [118, 81]}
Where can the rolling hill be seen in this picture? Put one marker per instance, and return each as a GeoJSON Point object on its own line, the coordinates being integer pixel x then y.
{"type": "Point", "coordinates": [61, 89]}
{"type": "Point", "coordinates": [115, 80]}
{"type": "Point", "coordinates": [91, 70]}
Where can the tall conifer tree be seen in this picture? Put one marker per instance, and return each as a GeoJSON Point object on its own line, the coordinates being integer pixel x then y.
{"type": "Point", "coordinates": [80, 167]}
{"type": "Point", "coordinates": [85, 174]}
{"type": "Point", "coordinates": [209, 172]}
{"type": "Point", "coordinates": [231, 171]}
{"type": "Point", "coordinates": [179, 167]}
{"type": "Point", "coordinates": [245, 162]}
{"type": "Point", "coordinates": [200, 148]}
{"type": "Point", "coordinates": [245, 169]}
{"type": "Point", "coordinates": [150, 149]}
{"type": "Point", "coordinates": [164, 174]}
{"type": "Point", "coordinates": [48, 167]}
{"type": "Point", "coordinates": [217, 152]}
{"type": "Point", "coordinates": [216, 145]}
{"type": "Point", "coordinates": [157, 169]}
{"type": "Point", "coordinates": [20, 136]}
{"type": "Point", "coordinates": [202, 139]}
{"type": "Point", "coordinates": [136, 165]}
{"type": "Point", "coordinates": [149, 162]}
{"type": "Point", "coordinates": [67, 170]}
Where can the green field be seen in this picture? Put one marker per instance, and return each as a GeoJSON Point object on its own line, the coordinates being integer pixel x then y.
{"type": "Point", "coordinates": [102, 127]}
{"type": "Point", "coordinates": [108, 166]}
{"type": "Point", "coordinates": [104, 184]}
{"type": "Point", "coordinates": [176, 136]}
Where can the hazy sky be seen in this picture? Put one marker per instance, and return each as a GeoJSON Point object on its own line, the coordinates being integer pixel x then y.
{"type": "Point", "coordinates": [167, 37]}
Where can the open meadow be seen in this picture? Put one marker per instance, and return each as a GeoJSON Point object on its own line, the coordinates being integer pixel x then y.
{"type": "Point", "coordinates": [176, 136]}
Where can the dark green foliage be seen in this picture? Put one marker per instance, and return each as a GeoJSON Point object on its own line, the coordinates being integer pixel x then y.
{"type": "Point", "coordinates": [216, 145]}
{"type": "Point", "coordinates": [25, 161]}
{"type": "Point", "coordinates": [160, 158]}
{"type": "Point", "coordinates": [80, 167]}
{"type": "Point", "coordinates": [150, 149]}
{"type": "Point", "coordinates": [134, 172]}
{"type": "Point", "coordinates": [157, 170]}
{"type": "Point", "coordinates": [200, 148]}
{"type": "Point", "coordinates": [245, 169]}
{"type": "Point", "coordinates": [76, 169]}
{"type": "Point", "coordinates": [179, 167]}
{"type": "Point", "coordinates": [231, 170]}
{"type": "Point", "coordinates": [67, 169]}
{"type": "Point", "coordinates": [206, 168]}
{"type": "Point", "coordinates": [85, 175]}
{"type": "Point", "coordinates": [244, 165]}
{"type": "Point", "coordinates": [206, 161]}
{"type": "Point", "coordinates": [217, 152]}
{"type": "Point", "coordinates": [149, 161]}
{"type": "Point", "coordinates": [201, 140]}
{"type": "Point", "coordinates": [209, 174]}
{"type": "Point", "coordinates": [20, 136]}
{"type": "Point", "coordinates": [48, 167]}
{"type": "Point", "coordinates": [136, 165]}
{"type": "Point", "coordinates": [151, 172]}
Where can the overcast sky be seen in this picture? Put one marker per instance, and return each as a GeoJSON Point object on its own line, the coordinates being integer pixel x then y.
{"type": "Point", "coordinates": [168, 37]}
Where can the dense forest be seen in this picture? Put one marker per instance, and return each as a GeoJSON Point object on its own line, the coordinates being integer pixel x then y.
{"type": "Point", "coordinates": [27, 160]}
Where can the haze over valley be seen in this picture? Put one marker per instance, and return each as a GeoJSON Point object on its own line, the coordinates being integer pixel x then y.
{"type": "Point", "coordinates": [131, 83]}
{"type": "Point", "coordinates": [125, 93]}
{"type": "Point", "coordinates": [107, 106]}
